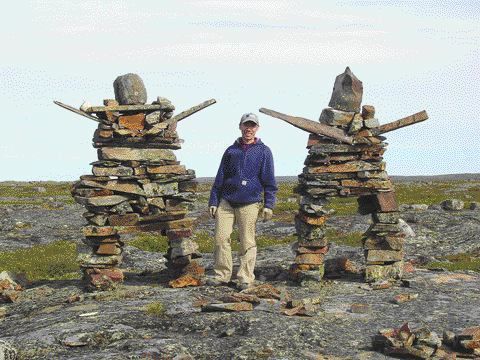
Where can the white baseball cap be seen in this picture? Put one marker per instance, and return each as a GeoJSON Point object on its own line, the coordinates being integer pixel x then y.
{"type": "Point", "coordinates": [249, 117]}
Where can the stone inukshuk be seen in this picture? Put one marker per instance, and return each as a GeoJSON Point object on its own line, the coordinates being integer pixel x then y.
{"type": "Point", "coordinates": [353, 167]}
{"type": "Point", "coordinates": [137, 183]}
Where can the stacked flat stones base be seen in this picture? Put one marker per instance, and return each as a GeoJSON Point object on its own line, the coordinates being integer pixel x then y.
{"type": "Point", "coordinates": [136, 185]}
{"type": "Point", "coordinates": [343, 170]}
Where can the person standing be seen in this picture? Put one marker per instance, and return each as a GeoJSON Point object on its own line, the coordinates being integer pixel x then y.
{"type": "Point", "coordinates": [245, 175]}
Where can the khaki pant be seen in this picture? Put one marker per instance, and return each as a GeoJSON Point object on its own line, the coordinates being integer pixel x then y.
{"type": "Point", "coordinates": [246, 218]}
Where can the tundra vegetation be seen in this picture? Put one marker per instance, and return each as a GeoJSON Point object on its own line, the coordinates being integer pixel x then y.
{"type": "Point", "coordinates": [57, 259]}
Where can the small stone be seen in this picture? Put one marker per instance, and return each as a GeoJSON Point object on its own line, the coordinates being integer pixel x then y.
{"type": "Point", "coordinates": [165, 103]}
{"type": "Point", "coordinates": [359, 308]}
{"type": "Point", "coordinates": [371, 123]}
{"type": "Point", "coordinates": [474, 205]}
{"type": "Point", "coordinates": [387, 218]}
{"type": "Point", "coordinates": [3, 312]}
{"type": "Point", "coordinates": [184, 281]}
{"type": "Point", "coordinates": [403, 298]}
{"type": "Point", "coordinates": [39, 189]}
{"type": "Point", "coordinates": [384, 272]}
{"type": "Point", "coordinates": [132, 122]}
{"type": "Point", "coordinates": [103, 279]}
{"type": "Point", "coordinates": [76, 340]}
{"type": "Point", "coordinates": [471, 333]}
{"type": "Point", "coordinates": [368, 111]}
{"type": "Point", "coordinates": [424, 336]}
{"type": "Point", "coordinates": [336, 117]}
{"type": "Point", "coordinates": [130, 90]}
{"type": "Point", "coordinates": [406, 229]}
{"type": "Point", "coordinates": [347, 92]}
{"type": "Point", "coordinates": [110, 102]}
{"type": "Point", "coordinates": [228, 307]}
{"type": "Point", "coordinates": [356, 124]}
{"type": "Point", "coordinates": [136, 154]}
{"type": "Point", "coordinates": [381, 285]}
{"type": "Point", "coordinates": [452, 205]}
{"type": "Point", "coordinates": [153, 118]}
{"type": "Point", "coordinates": [85, 106]}
{"type": "Point", "coordinates": [228, 332]}
{"type": "Point", "coordinates": [7, 351]}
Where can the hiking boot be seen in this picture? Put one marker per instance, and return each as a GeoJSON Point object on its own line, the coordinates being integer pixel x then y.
{"type": "Point", "coordinates": [244, 286]}
{"type": "Point", "coordinates": [213, 281]}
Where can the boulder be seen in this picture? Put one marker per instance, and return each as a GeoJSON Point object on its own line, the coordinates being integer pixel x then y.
{"type": "Point", "coordinates": [130, 90]}
{"type": "Point", "coordinates": [347, 92]}
{"type": "Point", "coordinates": [452, 205]}
{"type": "Point", "coordinates": [406, 229]}
{"type": "Point", "coordinates": [7, 351]}
{"type": "Point", "coordinates": [475, 205]}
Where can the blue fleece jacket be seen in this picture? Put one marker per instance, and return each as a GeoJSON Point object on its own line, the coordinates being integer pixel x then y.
{"type": "Point", "coordinates": [243, 175]}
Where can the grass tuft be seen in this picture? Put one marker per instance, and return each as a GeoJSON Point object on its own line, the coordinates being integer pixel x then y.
{"type": "Point", "coordinates": [155, 308]}
{"type": "Point", "coordinates": [55, 261]}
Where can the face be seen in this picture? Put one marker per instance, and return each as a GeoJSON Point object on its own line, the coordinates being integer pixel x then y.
{"type": "Point", "coordinates": [248, 129]}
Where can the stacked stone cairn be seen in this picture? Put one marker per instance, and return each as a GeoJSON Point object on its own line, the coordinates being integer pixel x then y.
{"type": "Point", "coordinates": [334, 169]}
{"type": "Point", "coordinates": [136, 185]}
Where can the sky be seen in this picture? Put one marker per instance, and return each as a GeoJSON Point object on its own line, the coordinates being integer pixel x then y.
{"type": "Point", "coordinates": [282, 55]}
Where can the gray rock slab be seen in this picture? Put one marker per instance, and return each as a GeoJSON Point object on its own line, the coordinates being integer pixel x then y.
{"type": "Point", "coordinates": [347, 92]}
{"type": "Point", "coordinates": [130, 90]}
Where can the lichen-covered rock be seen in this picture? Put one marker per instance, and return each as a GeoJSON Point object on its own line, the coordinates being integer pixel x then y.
{"type": "Point", "coordinates": [452, 205]}
{"type": "Point", "coordinates": [130, 90]}
{"type": "Point", "coordinates": [347, 92]}
{"type": "Point", "coordinates": [7, 351]}
{"type": "Point", "coordinates": [475, 205]}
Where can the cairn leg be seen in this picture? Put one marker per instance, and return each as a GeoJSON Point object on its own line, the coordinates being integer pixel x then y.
{"type": "Point", "coordinates": [312, 246]}
{"type": "Point", "coordinates": [99, 257]}
{"type": "Point", "coordinates": [383, 241]}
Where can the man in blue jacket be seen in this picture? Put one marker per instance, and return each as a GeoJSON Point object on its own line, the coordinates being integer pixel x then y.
{"type": "Point", "coordinates": [245, 178]}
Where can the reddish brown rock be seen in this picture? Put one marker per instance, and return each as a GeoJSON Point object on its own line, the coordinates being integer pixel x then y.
{"type": "Point", "coordinates": [176, 234]}
{"type": "Point", "coordinates": [132, 122]}
{"type": "Point", "coordinates": [386, 201]}
{"type": "Point", "coordinates": [98, 230]}
{"type": "Point", "coordinates": [320, 220]}
{"type": "Point", "coordinates": [103, 279]}
{"type": "Point", "coordinates": [109, 249]}
{"type": "Point", "coordinates": [184, 281]}
{"type": "Point", "coordinates": [311, 259]}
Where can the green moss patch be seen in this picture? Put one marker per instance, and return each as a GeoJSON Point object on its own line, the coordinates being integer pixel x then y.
{"type": "Point", "coordinates": [155, 308]}
{"type": "Point", "coordinates": [353, 239]}
{"type": "Point", "coordinates": [55, 261]}
{"type": "Point", "coordinates": [152, 242]}
{"type": "Point", "coordinates": [457, 262]}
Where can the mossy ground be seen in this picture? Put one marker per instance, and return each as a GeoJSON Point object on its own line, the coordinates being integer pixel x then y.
{"type": "Point", "coordinates": [27, 194]}
{"type": "Point", "coordinates": [457, 262]}
{"type": "Point", "coordinates": [55, 261]}
{"type": "Point", "coordinates": [58, 260]}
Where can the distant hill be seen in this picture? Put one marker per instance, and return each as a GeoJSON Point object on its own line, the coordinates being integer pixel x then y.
{"type": "Point", "coordinates": [395, 178]}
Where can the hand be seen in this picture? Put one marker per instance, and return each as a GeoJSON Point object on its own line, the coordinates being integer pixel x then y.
{"type": "Point", "coordinates": [267, 214]}
{"type": "Point", "coordinates": [213, 211]}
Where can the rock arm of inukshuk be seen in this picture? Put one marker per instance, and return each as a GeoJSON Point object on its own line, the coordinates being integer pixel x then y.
{"type": "Point", "coordinates": [345, 159]}
{"type": "Point", "coordinates": [137, 183]}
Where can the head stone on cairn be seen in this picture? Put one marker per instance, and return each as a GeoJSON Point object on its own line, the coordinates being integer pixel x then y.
{"type": "Point", "coordinates": [347, 92]}
{"type": "Point", "coordinates": [130, 90]}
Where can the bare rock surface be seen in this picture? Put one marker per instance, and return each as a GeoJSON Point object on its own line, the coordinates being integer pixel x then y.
{"type": "Point", "coordinates": [103, 325]}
